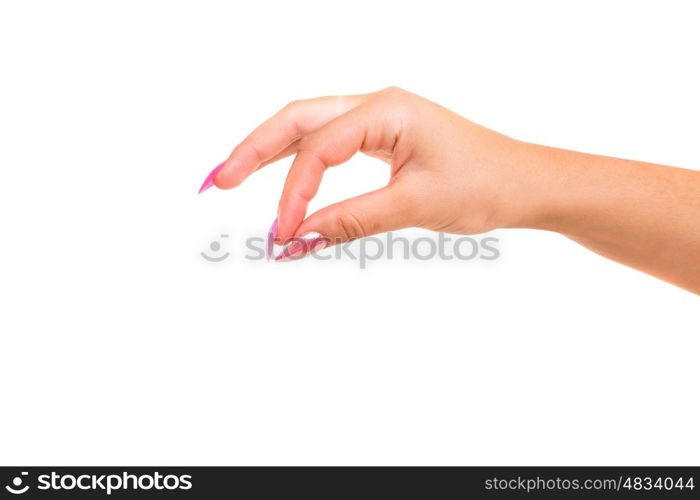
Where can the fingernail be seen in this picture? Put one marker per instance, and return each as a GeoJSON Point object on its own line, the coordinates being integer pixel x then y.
{"type": "Point", "coordinates": [271, 235]}
{"type": "Point", "coordinates": [209, 181]}
{"type": "Point", "coordinates": [301, 248]}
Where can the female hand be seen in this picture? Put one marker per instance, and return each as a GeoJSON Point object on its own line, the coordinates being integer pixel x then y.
{"type": "Point", "coordinates": [449, 174]}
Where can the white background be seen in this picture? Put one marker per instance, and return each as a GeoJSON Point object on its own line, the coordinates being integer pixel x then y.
{"type": "Point", "coordinates": [121, 345]}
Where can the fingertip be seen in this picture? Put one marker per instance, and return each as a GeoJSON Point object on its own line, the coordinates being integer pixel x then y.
{"type": "Point", "coordinates": [315, 224]}
{"type": "Point", "coordinates": [210, 179]}
{"type": "Point", "coordinates": [284, 234]}
{"type": "Point", "coordinates": [290, 217]}
{"type": "Point", "coordinates": [229, 177]}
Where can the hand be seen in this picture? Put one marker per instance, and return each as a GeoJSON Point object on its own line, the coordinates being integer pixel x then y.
{"type": "Point", "coordinates": [447, 173]}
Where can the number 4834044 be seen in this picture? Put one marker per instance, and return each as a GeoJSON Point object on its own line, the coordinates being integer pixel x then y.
{"type": "Point", "coordinates": [659, 483]}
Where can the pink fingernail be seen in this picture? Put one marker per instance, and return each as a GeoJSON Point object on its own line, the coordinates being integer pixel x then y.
{"type": "Point", "coordinates": [209, 181]}
{"type": "Point", "coordinates": [301, 248]}
{"type": "Point", "coordinates": [271, 235]}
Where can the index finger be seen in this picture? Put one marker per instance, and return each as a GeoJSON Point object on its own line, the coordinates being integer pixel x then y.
{"type": "Point", "coordinates": [276, 134]}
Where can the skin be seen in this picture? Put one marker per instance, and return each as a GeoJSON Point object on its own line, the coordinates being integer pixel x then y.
{"type": "Point", "coordinates": [450, 174]}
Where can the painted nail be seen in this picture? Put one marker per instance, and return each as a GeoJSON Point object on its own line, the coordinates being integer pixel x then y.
{"type": "Point", "coordinates": [271, 235]}
{"type": "Point", "coordinates": [301, 248]}
{"type": "Point", "coordinates": [209, 181]}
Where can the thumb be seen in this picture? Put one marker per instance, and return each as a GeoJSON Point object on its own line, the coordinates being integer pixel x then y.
{"type": "Point", "coordinates": [386, 209]}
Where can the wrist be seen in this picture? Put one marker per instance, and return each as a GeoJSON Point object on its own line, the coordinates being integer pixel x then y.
{"type": "Point", "coordinates": [562, 189]}
{"type": "Point", "coordinates": [532, 195]}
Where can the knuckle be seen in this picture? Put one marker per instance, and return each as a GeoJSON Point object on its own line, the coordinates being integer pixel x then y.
{"type": "Point", "coordinates": [311, 147]}
{"type": "Point", "coordinates": [306, 142]}
{"type": "Point", "coordinates": [396, 102]}
{"type": "Point", "coordinates": [291, 106]}
{"type": "Point", "coordinates": [341, 104]}
{"type": "Point", "coordinates": [349, 226]}
{"type": "Point", "coordinates": [392, 91]}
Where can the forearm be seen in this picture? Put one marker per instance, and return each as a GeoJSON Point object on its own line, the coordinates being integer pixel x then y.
{"type": "Point", "coordinates": [642, 215]}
